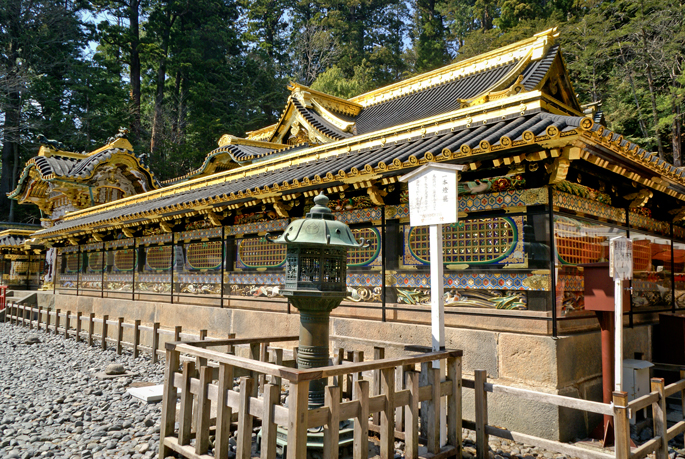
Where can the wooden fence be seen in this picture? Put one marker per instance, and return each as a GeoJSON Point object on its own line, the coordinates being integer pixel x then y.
{"type": "Point", "coordinates": [297, 417]}
{"type": "Point", "coordinates": [620, 409]}
{"type": "Point", "coordinates": [82, 328]}
{"type": "Point", "coordinates": [390, 408]}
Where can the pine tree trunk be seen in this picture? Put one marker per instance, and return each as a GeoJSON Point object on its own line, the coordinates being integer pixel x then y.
{"type": "Point", "coordinates": [134, 27]}
{"type": "Point", "coordinates": [10, 148]}
{"type": "Point", "coordinates": [677, 136]}
{"type": "Point", "coordinates": [652, 96]}
{"type": "Point", "coordinates": [156, 140]}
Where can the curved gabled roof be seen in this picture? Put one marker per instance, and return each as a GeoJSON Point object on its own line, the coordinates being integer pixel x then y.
{"type": "Point", "coordinates": [63, 167]}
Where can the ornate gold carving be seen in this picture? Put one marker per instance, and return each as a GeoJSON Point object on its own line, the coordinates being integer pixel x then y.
{"type": "Point", "coordinates": [128, 232]}
{"type": "Point", "coordinates": [228, 139]}
{"type": "Point", "coordinates": [282, 208]}
{"type": "Point", "coordinates": [377, 195]}
{"type": "Point", "coordinates": [537, 282]}
{"type": "Point", "coordinates": [639, 199]}
{"type": "Point", "coordinates": [558, 170]}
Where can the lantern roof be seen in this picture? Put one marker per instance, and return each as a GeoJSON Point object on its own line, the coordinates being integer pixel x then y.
{"type": "Point", "coordinates": [319, 227]}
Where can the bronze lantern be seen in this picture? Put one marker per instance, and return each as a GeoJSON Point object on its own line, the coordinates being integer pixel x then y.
{"type": "Point", "coordinates": [315, 281]}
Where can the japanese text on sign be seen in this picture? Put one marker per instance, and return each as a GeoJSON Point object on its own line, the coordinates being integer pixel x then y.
{"type": "Point", "coordinates": [621, 256]}
{"type": "Point", "coordinates": [433, 198]}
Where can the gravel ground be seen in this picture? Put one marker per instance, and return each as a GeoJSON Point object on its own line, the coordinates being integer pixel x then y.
{"type": "Point", "coordinates": [52, 405]}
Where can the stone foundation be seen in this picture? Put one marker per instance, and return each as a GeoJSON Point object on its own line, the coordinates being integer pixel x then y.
{"type": "Point", "coordinates": [568, 365]}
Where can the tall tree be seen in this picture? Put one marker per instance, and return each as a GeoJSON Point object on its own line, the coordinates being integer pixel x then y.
{"type": "Point", "coordinates": [124, 32]}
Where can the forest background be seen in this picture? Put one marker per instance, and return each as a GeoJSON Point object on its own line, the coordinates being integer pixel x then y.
{"type": "Point", "coordinates": [179, 73]}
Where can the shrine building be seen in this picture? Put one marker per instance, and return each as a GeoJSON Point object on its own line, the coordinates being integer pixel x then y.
{"type": "Point", "coordinates": [546, 185]}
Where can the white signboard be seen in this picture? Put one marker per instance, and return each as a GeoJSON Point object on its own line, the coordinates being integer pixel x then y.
{"type": "Point", "coordinates": [621, 256]}
{"type": "Point", "coordinates": [433, 195]}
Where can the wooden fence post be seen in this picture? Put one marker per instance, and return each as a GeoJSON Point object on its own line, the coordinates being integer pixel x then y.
{"type": "Point", "coordinates": [357, 357]}
{"type": "Point", "coordinates": [378, 354]}
{"type": "Point", "coordinates": [223, 411]}
{"type": "Point", "coordinates": [244, 446]}
{"type": "Point", "coordinates": [40, 314]}
{"type": "Point", "coordinates": [272, 396]}
{"type": "Point", "coordinates": [105, 318]}
{"type": "Point", "coordinates": [411, 417]}
{"type": "Point", "coordinates": [297, 420]}
{"type": "Point", "coordinates": [682, 394]}
{"type": "Point", "coordinates": [136, 337]}
{"type": "Point", "coordinates": [454, 404]}
{"type": "Point", "coordinates": [254, 355]}
{"type": "Point", "coordinates": [263, 348]}
{"type": "Point", "coordinates": [120, 333]}
{"type": "Point", "coordinates": [91, 327]}
{"type": "Point", "coordinates": [621, 425]}
{"type": "Point", "coordinates": [481, 414]}
{"type": "Point", "coordinates": [155, 341]}
{"type": "Point", "coordinates": [79, 314]}
{"type": "Point", "coordinates": [169, 397]}
{"type": "Point", "coordinates": [177, 333]}
{"type": "Point", "coordinates": [57, 312]}
{"type": "Point", "coordinates": [30, 317]}
{"type": "Point", "coordinates": [660, 421]}
{"type": "Point", "coordinates": [66, 324]}
{"type": "Point", "coordinates": [331, 431]}
{"type": "Point", "coordinates": [201, 361]}
{"type": "Point", "coordinates": [388, 414]}
{"type": "Point", "coordinates": [277, 358]}
{"type": "Point", "coordinates": [185, 419]}
{"type": "Point", "coordinates": [203, 412]}
{"type": "Point", "coordinates": [360, 445]}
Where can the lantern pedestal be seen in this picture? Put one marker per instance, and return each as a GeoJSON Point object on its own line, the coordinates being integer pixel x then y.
{"type": "Point", "coordinates": [315, 283]}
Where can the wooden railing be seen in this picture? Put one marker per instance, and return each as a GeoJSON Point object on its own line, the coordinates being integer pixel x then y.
{"type": "Point", "coordinates": [391, 404]}
{"type": "Point", "coordinates": [82, 328]}
{"type": "Point", "coordinates": [620, 409]}
{"type": "Point", "coordinates": [199, 394]}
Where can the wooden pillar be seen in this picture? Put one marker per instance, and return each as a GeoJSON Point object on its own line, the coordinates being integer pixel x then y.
{"type": "Point", "coordinates": [91, 327]}
{"type": "Point", "coordinates": [454, 404]}
{"type": "Point", "coordinates": [621, 425]}
{"type": "Point", "coordinates": [155, 341]}
{"type": "Point", "coordinates": [57, 312]}
{"type": "Point", "coordinates": [67, 321]}
{"type": "Point", "coordinates": [244, 446]}
{"type": "Point", "coordinates": [103, 344]}
{"type": "Point", "coordinates": [203, 412]}
{"type": "Point", "coordinates": [378, 354]}
{"type": "Point", "coordinates": [120, 333]}
{"type": "Point", "coordinates": [201, 361]}
{"type": "Point", "coordinates": [185, 419]}
{"type": "Point", "coordinates": [297, 420]}
{"type": "Point", "coordinates": [360, 445]}
{"type": "Point", "coordinates": [136, 337]}
{"type": "Point", "coordinates": [481, 402]}
{"type": "Point", "coordinates": [166, 427]}
{"type": "Point", "coordinates": [660, 420]}
{"type": "Point", "coordinates": [388, 414]}
{"type": "Point", "coordinates": [411, 417]}
{"type": "Point", "coordinates": [223, 411]}
{"type": "Point", "coordinates": [78, 326]}
{"type": "Point", "coordinates": [331, 431]}
{"type": "Point", "coordinates": [272, 397]}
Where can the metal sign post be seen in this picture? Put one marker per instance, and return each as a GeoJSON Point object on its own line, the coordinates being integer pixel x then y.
{"type": "Point", "coordinates": [620, 268]}
{"type": "Point", "coordinates": [433, 202]}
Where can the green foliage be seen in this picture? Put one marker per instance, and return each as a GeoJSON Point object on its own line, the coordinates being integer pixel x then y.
{"type": "Point", "coordinates": [334, 82]}
{"type": "Point", "coordinates": [222, 66]}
